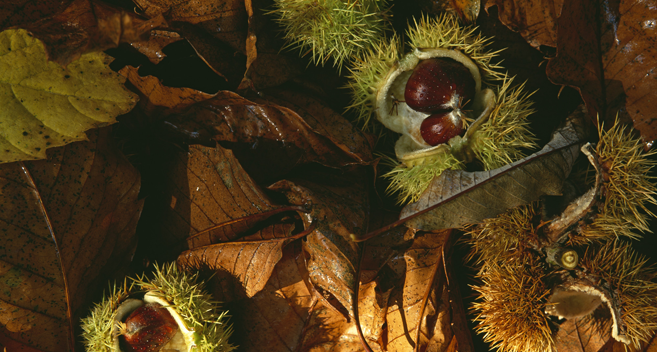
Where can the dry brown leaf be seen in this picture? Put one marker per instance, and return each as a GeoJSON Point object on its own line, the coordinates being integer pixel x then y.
{"type": "Point", "coordinates": [155, 94]}
{"type": "Point", "coordinates": [340, 209]}
{"type": "Point", "coordinates": [456, 198]}
{"type": "Point", "coordinates": [205, 188]}
{"type": "Point", "coordinates": [535, 20]}
{"type": "Point", "coordinates": [607, 51]}
{"type": "Point", "coordinates": [66, 222]}
{"type": "Point", "coordinates": [275, 138]}
{"type": "Point", "coordinates": [328, 330]}
{"type": "Point", "coordinates": [578, 335]}
{"type": "Point", "coordinates": [153, 47]}
{"type": "Point", "coordinates": [422, 300]}
{"type": "Point", "coordinates": [277, 315]}
{"type": "Point", "coordinates": [89, 25]}
{"type": "Point", "coordinates": [191, 11]}
{"type": "Point", "coordinates": [19, 12]}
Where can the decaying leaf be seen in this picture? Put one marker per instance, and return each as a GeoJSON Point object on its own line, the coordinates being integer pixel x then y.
{"type": "Point", "coordinates": [19, 12]}
{"type": "Point", "coordinates": [607, 52]}
{"type": "Point", "coordinates": [456, 198]}
{"type": "Point", "coordinates": [65, 223]}
{"type": "Point", "coordinates": [153, 48]}
{"type": "Point", "coordinates": [44, 105]}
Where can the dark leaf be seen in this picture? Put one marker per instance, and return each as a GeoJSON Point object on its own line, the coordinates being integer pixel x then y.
{"type": "Point", "coordinates": [456, 198]}
{"type": "Point", "coordinates": [66, 222]}
{"type": "Point", "coordinates": [608, 52]}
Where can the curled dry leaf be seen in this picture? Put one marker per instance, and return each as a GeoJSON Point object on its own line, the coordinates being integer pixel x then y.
{"type": "Point", "coordinates": [66, 222]}
{"type": "Point", "coordinates": [158, 95]}
{"type": "Point", "coordinates": [44, 105]}
{"type": "Point", "coordinates": [87, 26]}
{"type": "Point", "coordinates": [607, 51]}
{"type": "Point", "coordinates": [275, 137]}
{"type": "Point", "coordinates": [456, 198]}
{"type": "Point", "coordinates": [535, 20]}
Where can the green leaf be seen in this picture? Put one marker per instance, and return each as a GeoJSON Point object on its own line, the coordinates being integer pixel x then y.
{"type": "Point", "coordinates": [44, 105]}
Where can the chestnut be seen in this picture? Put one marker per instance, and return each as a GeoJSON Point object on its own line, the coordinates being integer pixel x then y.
{"type": "Point", "coordinates": [438, 84]}
{"type": "Point", "coordinates": [148, 328]}
{"type": "Point", "coordinates": [441, 127]}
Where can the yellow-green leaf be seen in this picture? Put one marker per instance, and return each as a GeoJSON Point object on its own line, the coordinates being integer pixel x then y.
{"type": "Point", "coordinates": [43, 105]}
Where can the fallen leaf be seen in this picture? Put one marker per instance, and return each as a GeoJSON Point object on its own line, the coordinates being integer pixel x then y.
{"type": "Point", "coordinates": [535, 20]}
{"type": "Point", "coordinates": [607, 52]}
{"type": "Point", "coordinates": [456, 198]}
{"type": "Point", "coordinates": [153, 48]}
{"type": "Point", "coordinates": [158, 95]}
{"type": "Point", "coordinates": [89, 26]}
{"type": "Point", "coordinates": [204, 189]}
{"type": "Point", "coordinates": [420, 307]}
{"type": "Point", "coordinates": [579, 335]}
{"type": "Point", "coordinates": [275, 138]}
{"type": "Point", "coordinates": [328, 330]}
{"type": "Point", "coordinates": [19, 12]}
{"type": "Point", "coordinates": [46, 106]}
{"type": "Point", "coordinates": [277, 315]}
{"type": "Point", "coordinates": [339, 209]}
{"type": "Point", "coordinates": [191, 11]}
{"type": "Point", "coordinates": [66, 222]}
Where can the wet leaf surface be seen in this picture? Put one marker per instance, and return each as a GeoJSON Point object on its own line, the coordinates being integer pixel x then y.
{"type": "Point", "coordinates": [66, 222]}
{"type": "Point", "coordinates": [607, 51]}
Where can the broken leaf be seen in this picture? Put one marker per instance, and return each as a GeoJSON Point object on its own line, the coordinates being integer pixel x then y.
{"type": "Point", "coordinates": [66, 223]}
{"type": "Point", "coordinates": [46, 106]}
{"type": "Point", "coordinates": [456, 198]}
{"type": "Point", "coordinates": [607, 52]}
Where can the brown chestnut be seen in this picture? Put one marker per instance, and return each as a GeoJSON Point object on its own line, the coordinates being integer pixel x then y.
{"type": "Point", "coordinates": [148, 328]}
{"type": "Point", "coordinates": [439, 84]}
{"type": "Point", "coordinates": [441, 127]}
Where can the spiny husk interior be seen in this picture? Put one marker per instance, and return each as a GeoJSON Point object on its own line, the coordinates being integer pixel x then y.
{"type": "Point", "coordinates": [333, 29]}
{"type": "Point", "coordinates": [629, 188]}
{"type": "Point", "coordinates": [502, 139]}
{"type": "Point", "coordinates": [635, 283]}
{"type": "Point", "coordinates": [368, 74]}
{"type": "Point", "coordinates": [98, 325]}
{"type": "Point", "coordinates": [446, 32]}
{"type": "Point", "coordinates": [199, 312]}
{"type": "Point", "coordinates": [511, 305]}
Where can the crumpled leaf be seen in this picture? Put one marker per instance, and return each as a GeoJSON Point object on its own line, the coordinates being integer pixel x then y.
{"type": "Point", "coordinates": [190, 11]}
{"type": "Point", "coordinates": [46, 106]}
{"type": "Point", "coordinates": [535, 20]}
{"type": "Point", "coordinates": [276, 137]}
{"type": "Point", "coordinates": [466, 10]}
{"type": "Point", "coordinates": [423, 298]}
{"type": "Point", "coordinates": [340, 209]}
{"type": "Point", "coordinates": [456, 198]}
{"type": "Point", "coordinates": [88, 26]}
{"type": "Point", "coordinates": [607, 52]}
{"type": "Point", "coordinates": [153, 48]}
{"type": "Point", "coordinates": [277, 315]}
{"type": "Point", "coordinates": [159, 95]}
{"type": "Point", "coordinates": [65, 223]}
